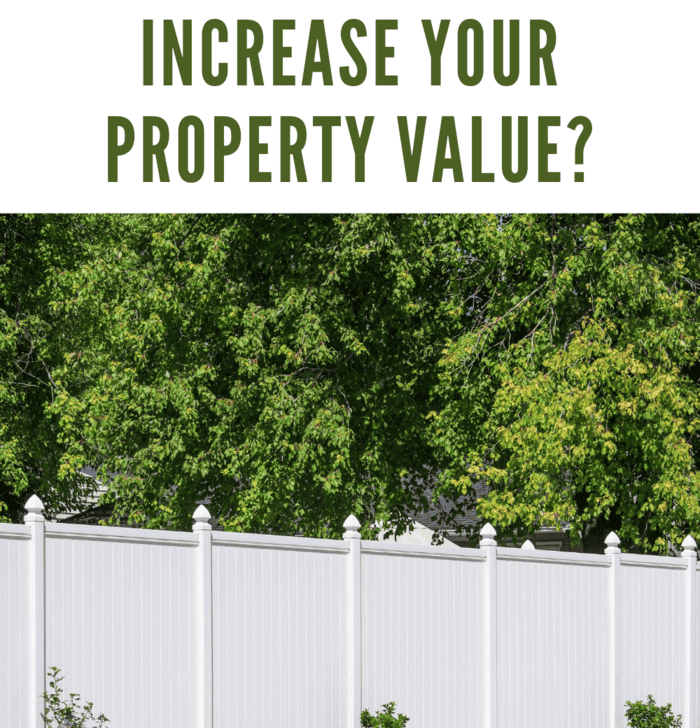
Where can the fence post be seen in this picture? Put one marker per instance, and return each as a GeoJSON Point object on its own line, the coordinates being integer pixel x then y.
{"type": "Point", "coordinates": [37, 608]}
{"type": "Point", "coordinates": [690, 556]}
{"type": "Point", "coordinates": [203, 615]}
{"type": "Point", "coordinates": [354, 616]}
{"type": "Point", "coordinates": [614, 616]}
{"type": "Point", "coordinates": [488, 544]}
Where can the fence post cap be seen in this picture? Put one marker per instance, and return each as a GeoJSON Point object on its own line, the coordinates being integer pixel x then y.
{"type": "Point", "coordinates": [34, 506]}
{"type": "Point", "coordinates": [488, 530]}
{"type": "Point", "coordinates": [612, 542]}
{"type": "Point", "coordinates": [689, 546]}
{"type": "Point", "coordinates": [352, 527]}
{"type": "Point", "coordinates": [528, 545]}
{"type": "Point", "coordinates": [488, 535]}
{"type": "Point", "coordinates": [201, 517]}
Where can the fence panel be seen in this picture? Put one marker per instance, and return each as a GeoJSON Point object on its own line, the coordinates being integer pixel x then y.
{"type": "Point", "coordinates": [652, 637]}
{"type": "Point", "coordinates": [14, 632]}
{"type": "Point", "coordinates": [552, 640]}
{"type": "Point", "coordinates": [119, 622]}
{"type": "Point", "coordinates": [279, 628]}
{"type": "Point", "coordinates": [213, 630]}
{"type": "Point", "coordinates": [696, 643]}
{"type": "Point", "coordinates": [421, 635]}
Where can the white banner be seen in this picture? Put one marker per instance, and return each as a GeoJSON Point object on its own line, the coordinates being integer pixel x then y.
{"type": "Point", "coordinates": [371, 106]}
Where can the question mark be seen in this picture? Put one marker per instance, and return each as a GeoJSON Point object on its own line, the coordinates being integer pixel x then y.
{"type": "Point", "coordinates": [585, 122]}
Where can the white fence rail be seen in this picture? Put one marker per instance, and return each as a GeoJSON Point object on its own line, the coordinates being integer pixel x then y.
{"type": "Point", "coordinates": [221, 630]}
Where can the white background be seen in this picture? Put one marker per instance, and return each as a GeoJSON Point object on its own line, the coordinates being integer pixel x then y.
{"type": "Point", "coordinates": [631, 68]}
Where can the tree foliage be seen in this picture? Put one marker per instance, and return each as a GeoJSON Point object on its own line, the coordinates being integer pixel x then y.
{"type": "Point", "coordinates": [280, 366]}
{"type": "Point", "coordinates": [32, 342]}
{"type": "Point", "coordinates": [574, 390]}
{"type": "Point", "coordinates": [295, 369]}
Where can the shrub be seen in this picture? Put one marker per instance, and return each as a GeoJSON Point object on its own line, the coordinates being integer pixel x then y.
{"type": "Point", "coordinates": [383, 719]}
{"type": "Point", "coordinates": [651, 715]}
{"type": "Point", "coordinates": [67, 714]}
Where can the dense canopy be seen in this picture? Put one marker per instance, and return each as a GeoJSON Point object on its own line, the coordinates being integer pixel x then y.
{"type": "Point", "coordinates": [295, 369]}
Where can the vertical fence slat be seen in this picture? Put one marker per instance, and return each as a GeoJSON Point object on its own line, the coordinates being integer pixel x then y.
{"type": "Point", "coordinates": [690, 556]}
{"type": "Point", "coordinates": [37, 607]}
{"type": "Point", "coordinates": [488, 544]}
{"type": "Point", "coordinates": [354, 625]}
{"type": "Point", "coordinates": [614, 624]}
{"type": "Point", "coordinates": [203, 617]}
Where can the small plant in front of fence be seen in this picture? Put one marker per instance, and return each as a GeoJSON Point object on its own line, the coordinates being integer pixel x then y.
{"type": "Point", "coordinates": [651, 715]}
{"type": "Point", "coordinates": [61, 713]}
{"type": "Point", "coordinates": [383, 719]}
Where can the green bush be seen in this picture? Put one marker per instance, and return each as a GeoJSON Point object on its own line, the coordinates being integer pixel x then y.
{"type": "Point", "coordinates": [383, 719]}
{"type": "Point", "coordinates": [651, 715]}
{"type": "Point", "coordinates": [67, 714]}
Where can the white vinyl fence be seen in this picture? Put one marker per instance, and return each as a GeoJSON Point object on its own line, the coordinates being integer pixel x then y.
{"type": "Point", "coordinates": [221, 630]}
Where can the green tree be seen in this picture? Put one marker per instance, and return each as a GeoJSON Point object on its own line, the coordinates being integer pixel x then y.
{"type": "Point", "coordinates": [281, 366]}
{"type": "Point", "coordinates": [574, 390]}
{"type": "Point", "coordinates": [294, 369]}
{"type": "Point", "coordinates": [32, 341]}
